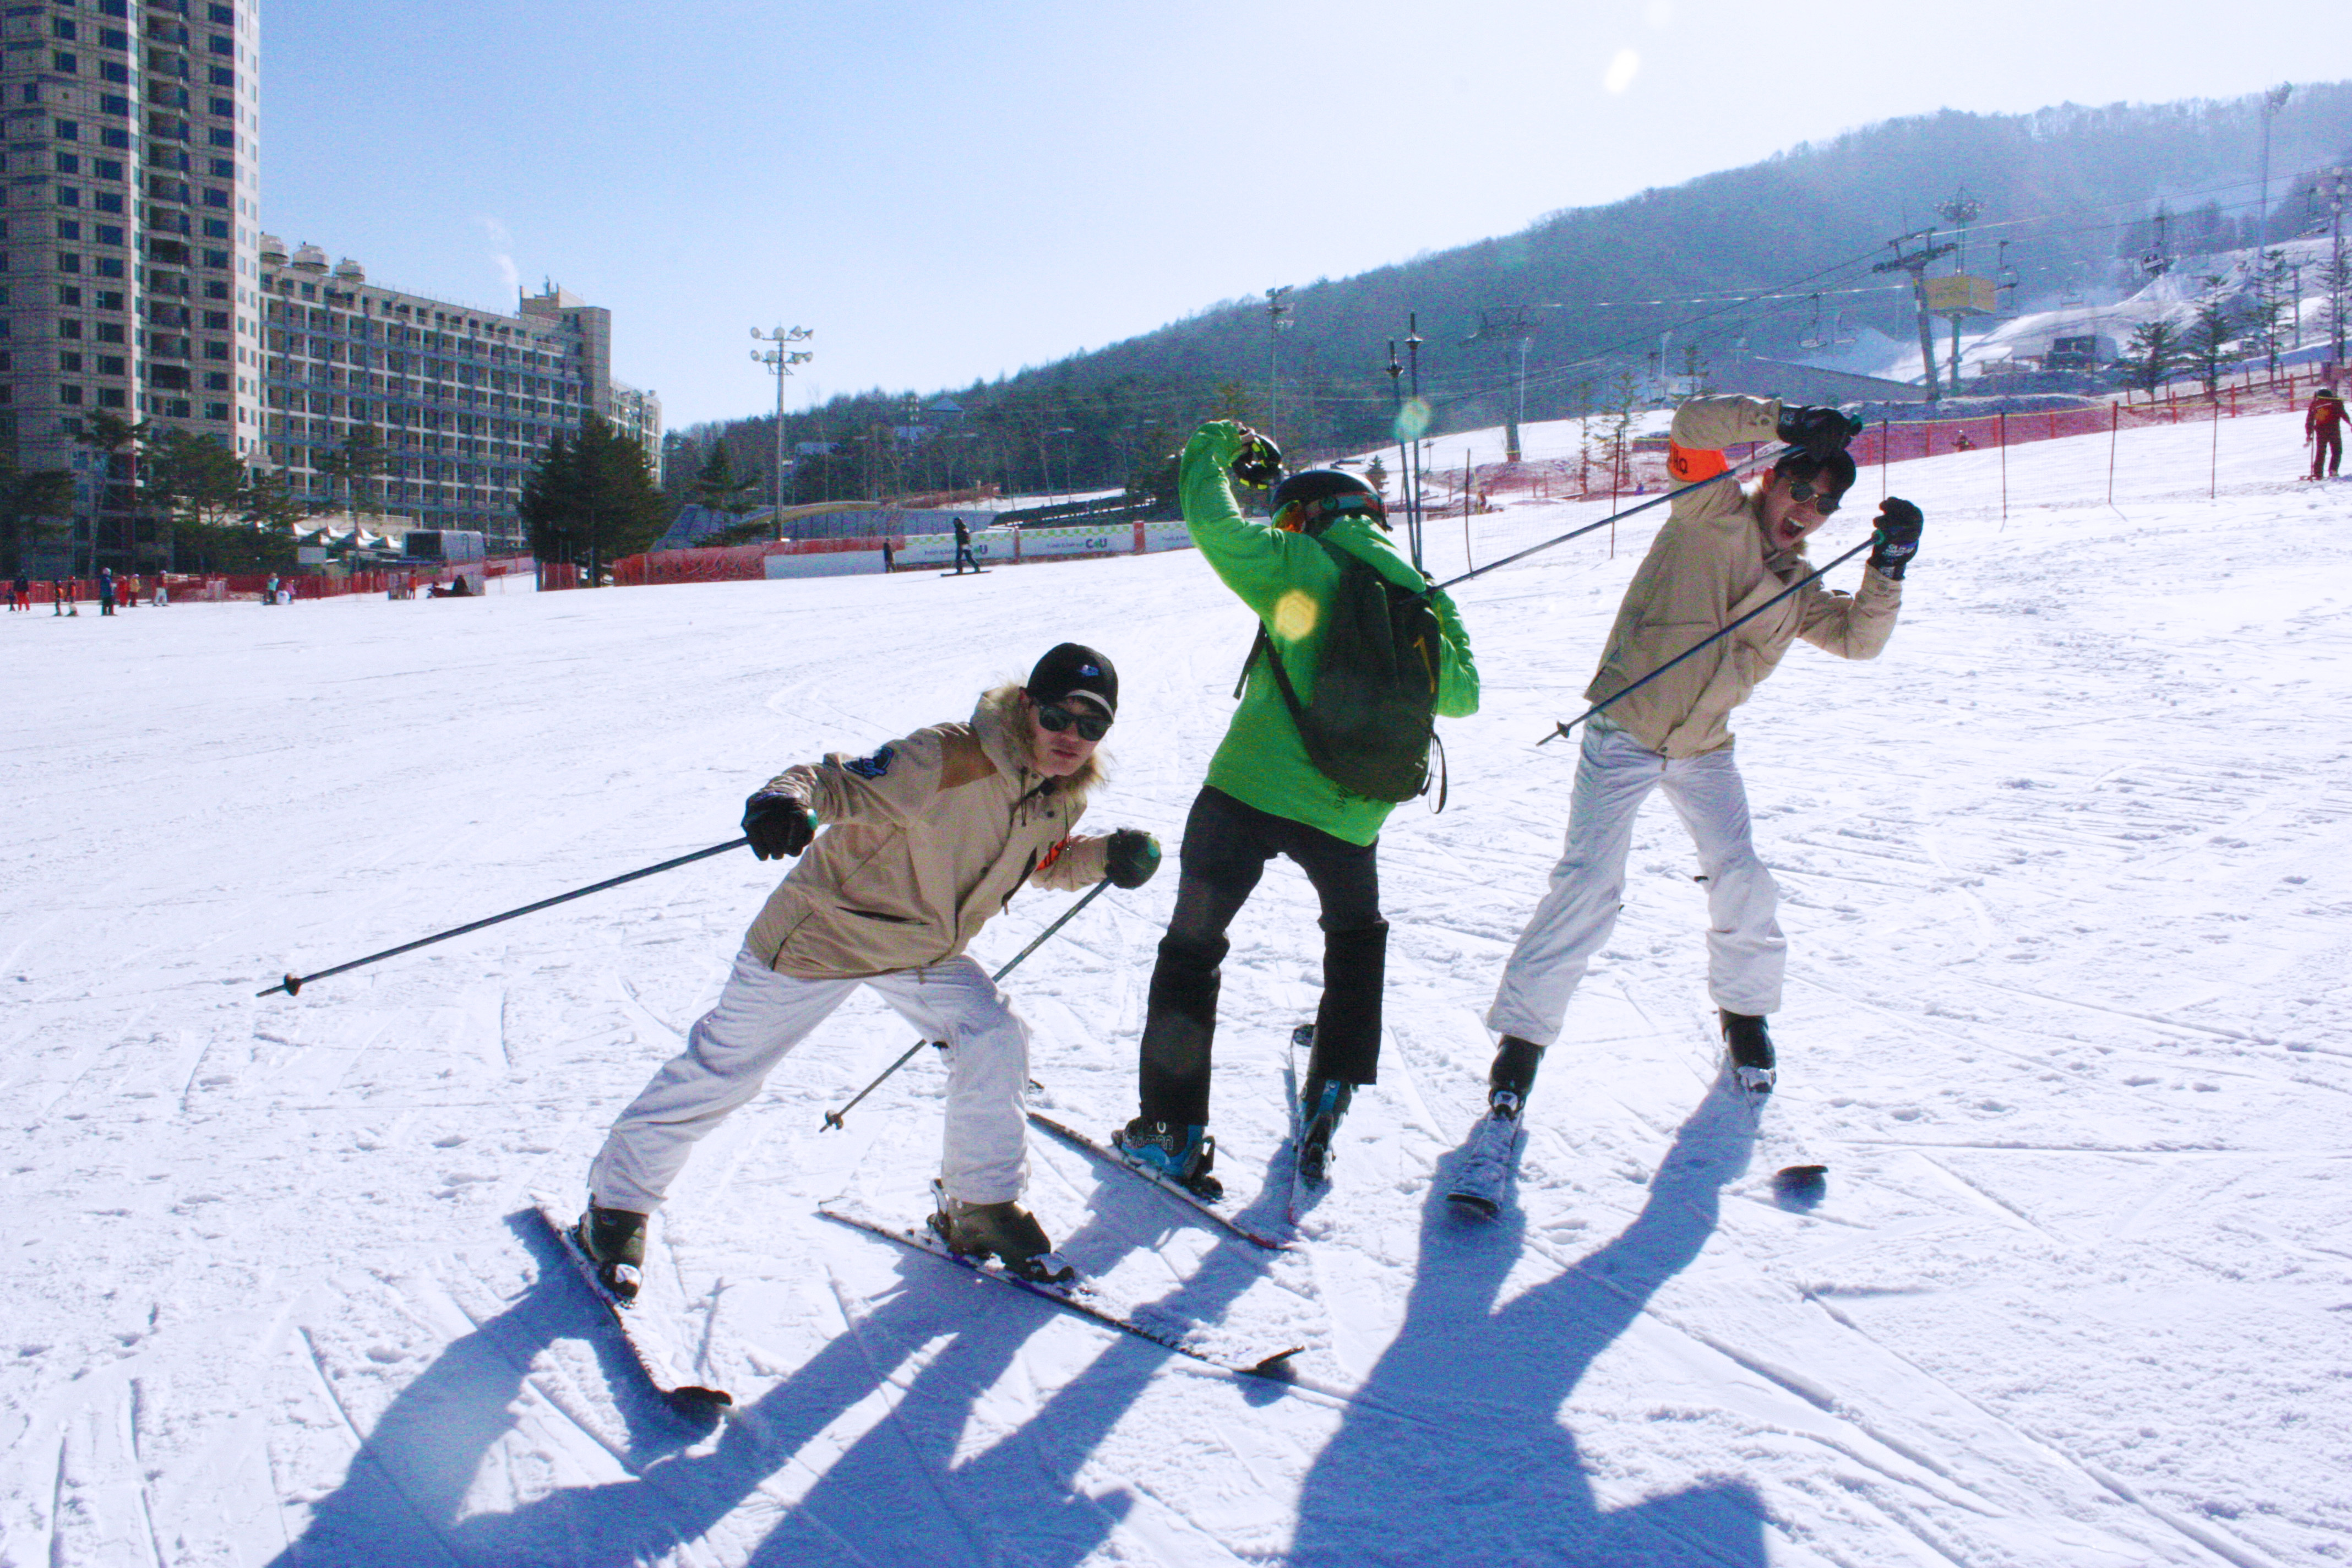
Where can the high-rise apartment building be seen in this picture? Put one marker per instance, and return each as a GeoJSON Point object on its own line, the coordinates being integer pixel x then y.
{"type": "Point", "coordinates": [129, 283]}
{"type": "Point", "coordinates": [135, 282]}
{"type": "Point", "coordinates": [454, 402]}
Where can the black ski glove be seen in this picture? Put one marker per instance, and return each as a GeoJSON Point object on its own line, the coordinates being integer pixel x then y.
{"type": "Point", "coordinates": [1819, 431]}
{"type": "Point", "coordinates": [1131, 858]}
{"type": "Point", "coordinates": [1898, 526]}
{"type": "Point", "coordinates": [778, 825]}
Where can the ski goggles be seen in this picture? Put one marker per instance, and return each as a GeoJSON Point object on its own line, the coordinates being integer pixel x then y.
{"type": "Point", "coordinates": [1056, 719]}
{"type": "Point", "coordinates": [1313, 516]}
{"type": "Point", "coordinates": [1805, 492]}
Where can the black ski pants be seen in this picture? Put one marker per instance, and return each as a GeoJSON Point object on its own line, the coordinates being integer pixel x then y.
{"type": "Point", "coordinates": [1226, 846]}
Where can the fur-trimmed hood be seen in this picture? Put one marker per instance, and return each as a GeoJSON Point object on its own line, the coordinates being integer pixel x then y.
{"type": "Point", "coordinates": [1004, 730]}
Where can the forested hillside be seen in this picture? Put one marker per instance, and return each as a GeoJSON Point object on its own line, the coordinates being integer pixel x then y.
{"type": "Point", "coordinates": [1770, 259]}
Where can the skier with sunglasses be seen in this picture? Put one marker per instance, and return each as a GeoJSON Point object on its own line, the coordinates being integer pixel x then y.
{"type": "Point", "coordinates": [1265, 797]}
{"type": "Point", "coordinates": [902, 856]}
{"type": "Point", "coordinates": [1723, 551]}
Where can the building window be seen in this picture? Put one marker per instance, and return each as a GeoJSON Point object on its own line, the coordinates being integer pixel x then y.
{"type": "Point", "coordinates": [63, 63]}
{"type": "Point", "coordinates": [115, 136]}
{"type": "Point", "coordinates": [107, 265]}
{"type": "Point", "coordinates": [68, 328]}
{"type": "Point", "coordinates": [67, 228]}
{"type": "Point", "coordinates": [69, 197]}
{"type": "Point", "coordinates": [217, 411]}
{"type": "Point", "coordinates": [68, 262]}
{"type": "Point", "coordinates": [71, 363]}
{"type": "Point", "coordinates": [110, 396]}
{"type": "Point", "coordinates": [223, 137]}
{"type": "Point", "coordinates": [223, 107]}
{"type": "Point", "coordinates": [107, 201]}
{"type": "Point", "coordinates": [66, 130]}
{"type": "Point", "coordinates": [110, 365]}
{"type": "Point", "coordinates": [69, 395]}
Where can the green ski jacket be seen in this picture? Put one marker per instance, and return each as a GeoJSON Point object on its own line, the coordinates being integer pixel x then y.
{"type": "Point", "coordinates": [1287, 581]}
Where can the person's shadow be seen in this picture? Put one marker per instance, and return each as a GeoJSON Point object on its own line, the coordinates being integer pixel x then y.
{"type": "Point", "coordinates": [1454, 1449]}
{"type": "Point", "coordinates": [895, 1494]}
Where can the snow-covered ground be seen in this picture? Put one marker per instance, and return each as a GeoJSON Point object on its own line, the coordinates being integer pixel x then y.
{"type": "Point", "coordinates": [2068, 882]}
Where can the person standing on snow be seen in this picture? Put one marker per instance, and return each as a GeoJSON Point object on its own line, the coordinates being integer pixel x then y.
{"type": "Point", "coordinates": [963, 548]}
{"type": "Point", "coordinates": [2323, 427]}
{"type": "Point", "coordinates": [1723, 551]}
{"type": "Point", "coordinates": [1264, 797]}
{"type": "Point", "coordinates": [922, 842]}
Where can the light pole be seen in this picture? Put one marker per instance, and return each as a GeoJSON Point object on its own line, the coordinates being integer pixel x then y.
{"type": "Point", "coordinates": [780, 361]}
{"type": "Point", "coordinates": [1277, 315]}
{"type": "Point", "coordinates": [2272, 101]}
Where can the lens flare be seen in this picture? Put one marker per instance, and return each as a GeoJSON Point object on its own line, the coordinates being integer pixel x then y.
{"type": "Point", "coordinates": [1621, 70]}
{"type": "Point", "coordinates": [1411, 420]}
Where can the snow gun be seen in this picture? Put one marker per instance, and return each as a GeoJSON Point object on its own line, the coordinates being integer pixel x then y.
{"type": "Point", "coordinates": [292, 985]}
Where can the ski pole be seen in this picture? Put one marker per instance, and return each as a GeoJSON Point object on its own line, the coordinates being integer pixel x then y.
{"type": "Point", "coordinates": [292, 985]}
{"type": "Point", "coordinates": [833, 1118]}
{"type": "Point", "coordinates": [1712, 636]}
{"type": "Point", "coordinates": [1732, 472]}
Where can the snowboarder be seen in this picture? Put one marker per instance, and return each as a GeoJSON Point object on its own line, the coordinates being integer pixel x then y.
{"type": "Point", "coordinates": [1723, 551]}
{"type": "Point", "coordinates": [2323, 428]}
{"type": "Point", "coordinates": [1264, 797]}
{"type": "Point", "coordinates": [921, 842]}
{"type": "Point", "coordinates": [963, 548]}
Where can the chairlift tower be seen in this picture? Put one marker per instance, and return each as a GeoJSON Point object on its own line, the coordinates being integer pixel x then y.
{"type": "Point", "coordinates": [1513, 326]}
{"type": "Point", "coordinates": [1916, 263]}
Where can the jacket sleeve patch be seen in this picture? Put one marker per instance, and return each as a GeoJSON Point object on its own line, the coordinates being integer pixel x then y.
{"type": "Point", "coordinates": [1690, 465]}
{"type": "Point", "coordinates": [872, 767]}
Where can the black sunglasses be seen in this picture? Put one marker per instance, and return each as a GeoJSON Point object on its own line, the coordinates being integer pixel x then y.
{"type": "Point", "coordinates": [1056, 719]}
{"type": "Point", "coordinates": [1803, 490]}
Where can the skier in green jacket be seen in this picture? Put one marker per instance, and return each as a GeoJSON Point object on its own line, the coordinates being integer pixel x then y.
{"type": "Point", "coordinates": [1264, 797]}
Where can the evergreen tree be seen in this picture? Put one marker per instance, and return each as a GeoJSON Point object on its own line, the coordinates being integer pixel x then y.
{"type": "Point", "coordinates": [355, 463]}
{"type": "Point", "coordinates": [2209, 335]}
{"type": "Point", "coordinates": [718, 485]}
{"type": "Point", "coordinates": [2151, 357]}
{"type": "Point", "coordinates": [592, 499]}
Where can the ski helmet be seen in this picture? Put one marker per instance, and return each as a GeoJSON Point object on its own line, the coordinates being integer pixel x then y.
{"type": "Point", "coordinates": [1324, 494]}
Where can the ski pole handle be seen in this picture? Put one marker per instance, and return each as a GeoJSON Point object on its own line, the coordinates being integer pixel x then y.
{"type": "Point", "coordinates": [1716, 636]}
{"type": "Point", "coordinates": [833, 1118]}
{"type": "Point", "coordinates": [292, 985]}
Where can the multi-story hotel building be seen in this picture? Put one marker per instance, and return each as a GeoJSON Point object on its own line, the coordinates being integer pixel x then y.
{"type": "Point", "coordinates": [129, 283]}
{"type": "Point", "coordinates": [459, 402]}
{"type": "Point", "coordinates": [135, 282]}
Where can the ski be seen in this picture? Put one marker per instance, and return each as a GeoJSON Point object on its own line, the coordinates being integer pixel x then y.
{"type": "Point", "coordinates": [1490, 1157]}
{"type": "Point", "coordinates": [642, 1326]}
{"type": "Point", "coordinates": [1174, 1189]}
{"type": "Point", "coordinates": [1078, 1296]}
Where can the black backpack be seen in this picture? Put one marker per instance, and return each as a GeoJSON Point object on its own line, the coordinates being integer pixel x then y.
{"type": "Point", "coordinates": [1372, 720]}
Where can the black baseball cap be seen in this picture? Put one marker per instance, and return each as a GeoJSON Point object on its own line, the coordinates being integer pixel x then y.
{"type": "Point", "coordinates": [1075, 670]}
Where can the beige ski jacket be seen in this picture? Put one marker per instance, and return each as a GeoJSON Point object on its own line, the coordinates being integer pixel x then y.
{"type": "Point", "coordinates": [923, 841]}
{"type": "Point", "coordinates": [1706, 568]}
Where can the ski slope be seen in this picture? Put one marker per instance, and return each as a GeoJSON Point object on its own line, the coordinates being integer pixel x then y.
{"type": "Point", "coordinates": [2067, 878]}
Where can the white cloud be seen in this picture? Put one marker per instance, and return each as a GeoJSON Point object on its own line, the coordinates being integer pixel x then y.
{"type": "Point", "coordinates": [502, 253]}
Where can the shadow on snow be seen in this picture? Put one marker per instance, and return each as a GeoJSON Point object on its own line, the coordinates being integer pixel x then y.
{"type": "Point", "coordinates": [1452, 1450]}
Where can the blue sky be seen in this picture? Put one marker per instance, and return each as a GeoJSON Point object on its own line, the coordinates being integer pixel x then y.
{"type": "Point", "coordinates": [949, 191]}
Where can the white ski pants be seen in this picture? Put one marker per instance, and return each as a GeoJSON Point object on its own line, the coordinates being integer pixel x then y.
{"type": "Point", "coordinates": [762, 1015]}
{"type": "Point", "coordinates": [1746, 953]}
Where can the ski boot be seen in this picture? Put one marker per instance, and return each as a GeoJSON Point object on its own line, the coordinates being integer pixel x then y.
{"type": "Point", "coordinates": [1321, 1109]}
{"type": "Point", "coordinates": [1750, 1045]}
{"type": "Point", "coordinates": [616, 1240]}
{"type": "Point", "coordinates": [1006, 1232]}
{"type": "Point", "coordinates": [1180, 1155]}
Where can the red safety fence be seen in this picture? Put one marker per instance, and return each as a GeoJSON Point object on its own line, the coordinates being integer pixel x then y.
{"type": "Point", "coordinates": [182, 587]}
{"type": "Point", "coordinates": [729, 562]}
{"type": "Point", "coordinates": [1605, 471]}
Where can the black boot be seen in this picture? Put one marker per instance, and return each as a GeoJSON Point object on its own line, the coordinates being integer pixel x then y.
{"type": "Point", "coordinates": [1750, 1045]}
{"type": "Point", "coordinates": [1514, 1072]}
{"type": "Point", "coordinates": [1006, 1232]}
{"type": "Point", "coordinates": [615, 1238]}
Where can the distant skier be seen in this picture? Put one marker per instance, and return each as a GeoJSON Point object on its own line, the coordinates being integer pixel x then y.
{"type": "Point", "coordinates": [20, 593]}
{"type": "Point", "coordinates": [922, 842]}
{"type": "Point", "coordinates": [963, 548]}
{"type": "Point", "coordinates": [1723, 551]}
{"type": "Point", "coordinates": [1265, 797]}
{"type": "Point", "coordinates": [2323, 427]}
{"type": "Point", "coordinates": [106, 590]}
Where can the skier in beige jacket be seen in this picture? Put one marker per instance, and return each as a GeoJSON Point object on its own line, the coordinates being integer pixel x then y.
{"type": "Point", "coordinates": [923, 841]}
{"type": "Point", "coordinates": [1724, 551]}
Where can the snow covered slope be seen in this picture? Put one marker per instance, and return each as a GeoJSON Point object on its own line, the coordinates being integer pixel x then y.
{"type": "Point", "coordinates": [2068, 883]}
